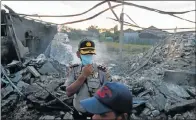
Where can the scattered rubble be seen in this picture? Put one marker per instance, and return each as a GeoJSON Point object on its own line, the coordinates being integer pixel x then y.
{"type": "Point", "coordinates": [166, 80]}
{"type": "Point", "coordinates": [20, 82]}
{"type": "Point", "coordinates": [162, 82]}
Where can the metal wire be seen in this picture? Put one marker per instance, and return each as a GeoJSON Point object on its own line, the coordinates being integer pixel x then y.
{"type": "Point", "coordinates": [91, 16]}
{"type": "Point", "coordinates": [36, 15]}
{"type": "Point", "coordinates": [158, 11]}
{"type": "Point", "coordinates": [109, 4]}
{"type": "Point", "coordinates": [129, 24]}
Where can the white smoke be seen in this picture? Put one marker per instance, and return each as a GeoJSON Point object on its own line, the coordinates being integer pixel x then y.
{"type": "Point", "coordinates": [102, 55]}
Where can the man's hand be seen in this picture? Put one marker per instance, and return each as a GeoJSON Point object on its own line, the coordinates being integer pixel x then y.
{"type": "Point", "coordinates": [87, 70]}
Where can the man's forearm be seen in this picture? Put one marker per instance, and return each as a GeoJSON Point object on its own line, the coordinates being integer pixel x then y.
{"type": "Point", "coordinates": [73, 88]}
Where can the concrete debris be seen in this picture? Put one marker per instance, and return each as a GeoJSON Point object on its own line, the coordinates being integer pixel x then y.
{"type": "Point", "coordinates": [33, 71]}
{"type": "Point", "coordinates": [32, 89]}
{"type": "Point", "coordinates": [40, 59]}
{"type": "Point", "coordinates": [163, 88]}
{"type": "Point", "coordinates": [144, 93]}
{"type": "Point", "coordinates": [8, 104]}
{"type": "Point", "coordinates": [14, 63]}
{"type": "Point", "coordinates": [67, 116]}
{"type": "Point", "coordinates": [180, 77]}
{"type": "Point", "coordinates": [17, 77]}
{"type": "Point", "coordinates": [27, 78]}
{"type": "Point", "coordinates": [189, 115]}
{"type": "Point", "coordinates": [3, 81]}
{"type": "Point", "coordinates": [178, 117]}
{"type": "Point", "coordinates": [6, 91]}
{"type": "Point", "coordinates": [42, 94]}
{"type": "Point", "coordinates": [178, 90]}
{"type": "Point", "coordinates": [47, 69]}
{"type": "Point", "coordinates": [62, 113]}
{"type": "Point", "coordinates": [22, 85]}
{"type": "Point", "coordinates": [47, 117]}
{"type": "Point", "coordinates": [158, 102]}
{"type": "Point", "coordinates": [134, 117]}
{"type": "Point", "coordinates": [191, 90]}
{"type": "Point", "coordinates": [58, 118]}
{"type": "Point", "coordinates": [155, 113]}
{"type": "Point", "coordinates": [168, 78]}
{"type": "Point", "coordinates": [180, 106]}
{"type": "Point", "coordinates": [146, 112]}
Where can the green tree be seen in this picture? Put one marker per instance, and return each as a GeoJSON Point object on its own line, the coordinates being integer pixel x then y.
{"type": "Point", "coordinates": [93, 29]}
{"type": "Point", "coordinates": [115, 28]}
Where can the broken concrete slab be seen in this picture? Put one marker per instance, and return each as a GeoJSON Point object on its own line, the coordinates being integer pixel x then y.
{"type": "Point", "coordinates": [26, 78]}
{"type": "Point", "coordinates": [4, 81]}
{"type": "Point", "coordinates": [43, 94]}
{"type": "Point", "coordinates": [58, 118]}
{"type": "Point", "coordinates": [47, 68]}
{"type": "Point", "coordinates": [189, 115]}
{"type": "Point", "coordinates": [32, 81]}
{"type": "Point", "coordinates": [158, 102]}
{"type": "Point", "coordinates": [137, 90]}
{"type": "Point", "coordinates": [147, 85]}
{"type": "Point", "coordinates": [9, 103]}
{"type": "Point", "coordinates": [35, 101]}
{"type": "Point", "coordinates": [47, 117]}
{"type": "Point", "coordinates": [13, 63]}
{"type": "Point", "coordinates": [40, 59]}
{"type": "Point", "coordinates": [17, 77]}
{"type": "Point", "coordinates": [32, 89]}
{"type": "Point", "coordinates": [68, 116]}
{"type": "Point", "coordinates": [150, 106]}
{"type": "Point", "coordinates": [143, 93]}
{"type": "Point", "coordinates": [155, 113]}
{"type": "Point", "coordinates": [6, 91]}
{"type": "Point", "coordinates": [181, 105]}
{"type": "Point", "coordinates": [191, 90]}
{"type": "Point", "coordinates": [167, 94]}
{"type": "Point", "coordinates": [180, 77]}
{"type": "Point", "coordinates": [138, 100]}
{"type": "Point", "coordinates": [33, 71]}
{"type": "Point", "coordinates": [146, 112]}
{"type": "Point", "coordinates": [22, 86]}
{"type": "Point", "coordinates": [62, 113]}
{"type": "Point", "coordinates": [134, 117]}
{"type": "Point", "coordinates": [178, 117]}
{"type": "Point", "coordinates": [178, 90]}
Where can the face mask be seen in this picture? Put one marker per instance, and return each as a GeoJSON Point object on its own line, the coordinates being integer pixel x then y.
{"type": "Point", "coordinates": [87, 59]}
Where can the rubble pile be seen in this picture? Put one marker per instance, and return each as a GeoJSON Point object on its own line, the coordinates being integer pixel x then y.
{"type": "Point", "coordinates": [35, 87]}
{"type": "Point", "coordinates": [162, 80]}
{"type": "Point", "coordinates": [25, 87]}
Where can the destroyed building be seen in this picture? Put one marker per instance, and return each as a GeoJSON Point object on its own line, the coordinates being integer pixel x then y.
{"type": "Point", "coordinates": [21, 36]}
{"type": "Point", "coordinates": [162, 80]}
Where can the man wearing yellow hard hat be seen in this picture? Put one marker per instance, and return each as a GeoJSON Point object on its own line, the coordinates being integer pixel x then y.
{"type": "Point", "coordinates": [85, 78]}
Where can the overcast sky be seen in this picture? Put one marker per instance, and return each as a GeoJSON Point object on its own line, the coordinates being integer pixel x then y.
{"type": "Point", "coordinates": [142, 17]}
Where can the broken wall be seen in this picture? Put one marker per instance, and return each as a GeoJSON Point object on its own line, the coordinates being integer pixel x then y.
{"type": "Point", "coordinates": [44, 33]}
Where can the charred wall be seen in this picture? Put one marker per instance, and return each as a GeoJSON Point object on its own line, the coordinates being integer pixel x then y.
{"type": "Point", "coordinates": [34, 35]}
{"type": "Point", "coordinates": [39, 36]}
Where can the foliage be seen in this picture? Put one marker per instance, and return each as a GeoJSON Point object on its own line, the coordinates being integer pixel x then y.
{"type": "Point", "coordinates": [93, 29]}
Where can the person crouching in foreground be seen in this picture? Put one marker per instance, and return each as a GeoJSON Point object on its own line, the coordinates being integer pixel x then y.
{"type": "Point", "coordinates": [112, 101]}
